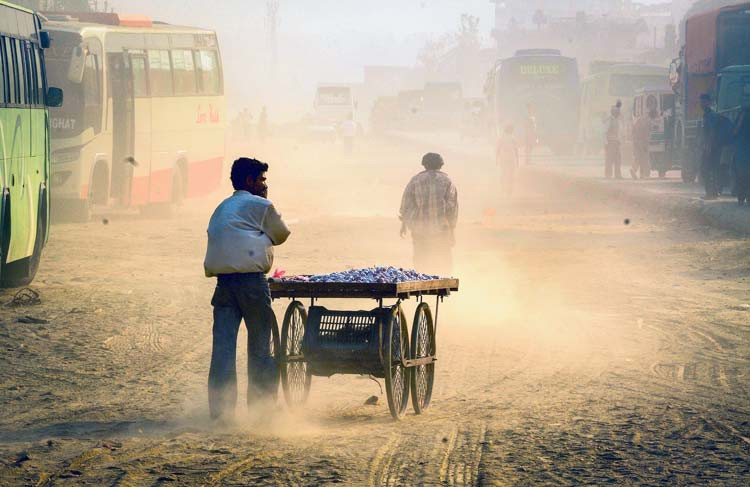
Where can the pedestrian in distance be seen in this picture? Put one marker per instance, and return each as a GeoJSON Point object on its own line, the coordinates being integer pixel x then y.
{"type": "Point", "coordinates": [242, 232]}
{"type": "Point", "coordinates": [612, 154]}
{"type": "Point", "coordinates": [506, 157]}
{"type": "Point", "coordinates": [348, 132]}
{"type": "Point", "coordinates": [531, 137]}
{"type": "Point", "coordinates": [263, 125]}
{"type": "Point", "coordinates": [741, 158]}
{"type": "Point", "coordinates": [429, 210]}
{"type": "Point", "coordinates": [641, 142]}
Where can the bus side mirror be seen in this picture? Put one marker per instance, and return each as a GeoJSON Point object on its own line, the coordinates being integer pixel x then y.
{"type": "Point", "coordinates": [77, 62]}
{"type": "Point", "coordinates": [54, 97]}
{"type": "Point", "coordinates": [44, 39]}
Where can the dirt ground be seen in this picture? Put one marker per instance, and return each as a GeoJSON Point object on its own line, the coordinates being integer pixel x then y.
{"type": "Point", "coordinates": [580, 350]}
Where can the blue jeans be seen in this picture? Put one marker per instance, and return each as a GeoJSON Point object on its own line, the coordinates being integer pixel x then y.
{"type": "Point", "coordinates": [239, 296]}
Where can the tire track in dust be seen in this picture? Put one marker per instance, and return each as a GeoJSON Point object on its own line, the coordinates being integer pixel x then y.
{"type": "Point", "coordinates": [463, 456]}
{"type": "Point", "coordinates": [380, 468]}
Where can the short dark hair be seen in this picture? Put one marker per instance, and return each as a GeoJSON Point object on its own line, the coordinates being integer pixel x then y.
{"type": "Point", "coordinates": [244, 167]}
{"type": "Point", "coordinates": [432, 160]}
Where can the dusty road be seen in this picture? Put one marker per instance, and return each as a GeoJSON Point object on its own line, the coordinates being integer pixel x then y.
{"type": "Point", "coordinates": [580, 350]}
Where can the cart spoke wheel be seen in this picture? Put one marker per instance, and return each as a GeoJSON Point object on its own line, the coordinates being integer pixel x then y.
{"type": "Point", "coordinates": [396, 347]}
{"type": "Point", "coordinates": [422, 345]}
{"type": "Point", "coordinates": [295, 373]}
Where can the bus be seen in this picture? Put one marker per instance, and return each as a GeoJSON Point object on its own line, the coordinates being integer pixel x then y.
{"type": "Point", "coordinates": [25, 140]}
{"type": "Point", "coordinates": [143, 125]}
{"type": "Point", "coordinates": [606, 84]}
{"type": "Point", "coordinates": [333, 104]}
{"type": "Point", "coordinates": [544, 81]}
{"type": "Point", "coordinates": [715, 42]}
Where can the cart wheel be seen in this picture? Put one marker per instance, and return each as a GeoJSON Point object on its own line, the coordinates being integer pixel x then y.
{"type": "Point", "coordinates": [396, 347]}
{"type": "Point", "coordinates": [422, 345]}
{"type": "Point", "coordinates": [295, 374]}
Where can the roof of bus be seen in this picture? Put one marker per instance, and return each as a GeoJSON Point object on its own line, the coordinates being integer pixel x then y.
{"type": "Point", "coordinates": [625, 68]}
{"type": "Point", "coordinates": [654, 89]}
{"type": "Point", "coordinates": [736, 69]}
{"type": "Point", "coordinates": [77, 26]}
{"type": "Point", "coordinates": [17, 7]}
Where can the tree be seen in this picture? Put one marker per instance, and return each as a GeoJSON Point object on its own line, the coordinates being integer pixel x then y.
{"type": "Point", "coordinates": [433, 52]}
{"type": "Point", "coordinates": [539, 19]}
{"type": "Point", "coordinates": [468, 32]}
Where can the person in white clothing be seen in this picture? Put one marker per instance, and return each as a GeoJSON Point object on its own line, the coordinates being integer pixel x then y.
{"type": "Point", "coordinates": [242, 232]}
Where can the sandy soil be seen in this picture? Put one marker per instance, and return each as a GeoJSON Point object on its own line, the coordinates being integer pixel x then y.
{"type": "Point", "coordinates": [580, 350]}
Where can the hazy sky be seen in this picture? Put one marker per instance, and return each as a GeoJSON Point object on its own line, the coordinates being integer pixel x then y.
{"type": "Point", "coordinates": [319, 40]}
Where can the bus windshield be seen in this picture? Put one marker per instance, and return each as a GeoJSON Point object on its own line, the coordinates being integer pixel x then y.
{"type": "Point", "coordinates": [627, 84]}
{"type": "Point", "coordinates": [83, 104]}
{"type": "Point", "coordinates": [334, 95]}
{"type": "Point", "coordinates": [734, 91]}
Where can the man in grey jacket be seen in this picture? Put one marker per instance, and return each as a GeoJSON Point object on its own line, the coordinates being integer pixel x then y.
{"type": "Point", "coordinates": [241, 235]}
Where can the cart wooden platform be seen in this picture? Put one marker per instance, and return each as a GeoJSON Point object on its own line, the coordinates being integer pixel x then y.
{"type": "Point", "coordinates": [319, 341]}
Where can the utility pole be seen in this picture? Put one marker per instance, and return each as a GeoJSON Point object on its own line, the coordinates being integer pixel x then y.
{"type": "Point", "coordinates": [272, 26]}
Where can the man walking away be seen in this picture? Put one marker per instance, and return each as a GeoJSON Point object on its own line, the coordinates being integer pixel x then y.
{"type": "Point", "coordinates": [429, 210]}
{"type": "Point", "coordinates": [506, 156]}
{"type": "Point", "coordinates": [241, 235]}
{"type": "Point", "coordinates": [613, 158]}
{"type": "Point", "coordinates": [641, 141]}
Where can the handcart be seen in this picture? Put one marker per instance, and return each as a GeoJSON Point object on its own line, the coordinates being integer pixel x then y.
{"type": "Point", "coordinates": [322, 342]}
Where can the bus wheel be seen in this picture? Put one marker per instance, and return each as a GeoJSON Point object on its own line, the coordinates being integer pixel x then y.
{"type": "Point", "coordinates": [21, 272]}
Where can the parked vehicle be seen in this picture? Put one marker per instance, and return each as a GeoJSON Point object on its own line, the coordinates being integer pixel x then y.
{"type": "Point", "coordinates": [659, 100]}
{"type": "Point", "coordinates": [714, 41]}
{"type": "Point", "coordinates": [25, 143]}
{"type": "Point", "coordinates": [543, 81]}
{"type": "Point", "coordinates": [144, 121]}
{"type": "Point", "coordinates": [606, 84]}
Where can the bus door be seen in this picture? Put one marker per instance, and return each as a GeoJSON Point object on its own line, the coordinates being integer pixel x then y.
{"type": "Point", "coordinates": [123, 127]}
{"type": "Point", "coordinates": [18, 146]}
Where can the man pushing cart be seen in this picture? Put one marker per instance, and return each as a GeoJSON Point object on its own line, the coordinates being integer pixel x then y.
{"type": "Point", "coordinates": [314, 341]}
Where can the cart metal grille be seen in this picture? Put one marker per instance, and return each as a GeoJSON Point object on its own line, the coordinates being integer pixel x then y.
{"type": "Point", "coordinates": [342, 327]}
{"type": "Point", "coordinates": [344, 341]}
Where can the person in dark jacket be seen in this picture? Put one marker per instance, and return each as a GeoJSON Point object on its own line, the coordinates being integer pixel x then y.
{"type": "Point", "coordinates": [716, 134]}
{"type": "Point", "coordinates": [741, 159]}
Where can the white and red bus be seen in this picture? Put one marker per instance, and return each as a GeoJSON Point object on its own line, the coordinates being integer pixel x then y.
{"type": "Point", "coordinates": [143, 123]}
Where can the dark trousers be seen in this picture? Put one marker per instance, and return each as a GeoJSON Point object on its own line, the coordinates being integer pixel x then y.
{"type": "Point", "coordinates": [711, 175]}
{"type": "Point", "coordinates": [237, 297]}
{"type": "Point", "coordinates": [742, 182]}
{"type": "Point", "coordinates": [612, 159]}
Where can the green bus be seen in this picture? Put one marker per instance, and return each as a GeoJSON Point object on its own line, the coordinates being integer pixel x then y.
{"type": "Point", "coordinates": [25, 144]}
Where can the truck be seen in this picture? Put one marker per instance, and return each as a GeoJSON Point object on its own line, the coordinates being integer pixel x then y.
{"type": "Point", "coordinates": [714, 48]}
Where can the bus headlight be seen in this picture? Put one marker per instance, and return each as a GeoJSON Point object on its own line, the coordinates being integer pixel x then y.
{"type": "Point", "coordinates": [66, 155]}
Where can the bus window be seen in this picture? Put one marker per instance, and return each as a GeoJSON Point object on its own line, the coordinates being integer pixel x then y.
{"type": "Point", "coordinates": [210, 78]}
{"type": "Point", "coordinates": [31, 74]}
{"type": "Point", "coordinates": [184, 72]}
{"type": "Point", "coordinates": [11, 70]}
{"type": "Point", "coordinates": [22, 86]}
{"type": "Point", "coordinates": [37, 54]}
{"type": "Point", "coordinates": [160, 73]}
{"type": "Point", "coordinates": [140, 81]}
{"type": "Point", "coordinates": [3, 75]}
{"type": "Point", "coordinates": [92, 93]}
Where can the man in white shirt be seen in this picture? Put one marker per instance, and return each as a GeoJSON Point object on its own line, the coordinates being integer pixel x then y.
{"type": "Point", "coordinates": [242, 232]}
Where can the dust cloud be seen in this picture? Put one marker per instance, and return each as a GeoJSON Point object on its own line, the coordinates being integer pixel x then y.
{"type": "Point", "coordinates": [578, 349]}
